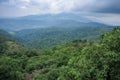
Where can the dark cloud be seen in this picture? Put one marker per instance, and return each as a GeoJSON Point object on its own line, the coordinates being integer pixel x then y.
{"type": "Point", "coordinates": [100, 6]}
{"type": "Point", "coordinates": [109, 10]}
{"type": "Point", "coordinates": [106, 6]}
{"type": "Point", "coordinates": [110, 6]}
{"type": "Point", "coordinates": [57, 6]}
{"type": "Point", "coordinates": [1, 1]}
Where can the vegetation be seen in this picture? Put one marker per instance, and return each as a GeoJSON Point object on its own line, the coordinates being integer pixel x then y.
{"type": "Point", "coordinates": [76, 60]}
{"type": "Point", "coordinates": [49, 37]}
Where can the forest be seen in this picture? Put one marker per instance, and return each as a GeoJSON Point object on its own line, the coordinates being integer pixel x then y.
{"type": "Point", "coordinates": [42, 38]}
{"type": "Point", "coordinates": [79, 59]}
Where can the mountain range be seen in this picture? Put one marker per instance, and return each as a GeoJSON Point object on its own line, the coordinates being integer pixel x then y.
{"type": "Point", "coordinates": [46, 20]}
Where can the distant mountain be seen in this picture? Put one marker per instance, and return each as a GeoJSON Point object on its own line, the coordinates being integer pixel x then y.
{"type": "Point", "coordinates": [53, 17]}
{"type": "Point", "coordinates": [47, 20]}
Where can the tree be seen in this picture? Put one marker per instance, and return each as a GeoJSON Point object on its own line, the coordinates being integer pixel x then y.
{"type": "Point", "coordinates": [111, 40]}
{"type": "Point", "coordinates": [3, 45]}
{"type": "Point", "coordinates": [10, 69]}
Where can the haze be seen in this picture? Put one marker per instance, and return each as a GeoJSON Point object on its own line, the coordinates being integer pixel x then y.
{"type": "Point", "coordinates": [106, 11]}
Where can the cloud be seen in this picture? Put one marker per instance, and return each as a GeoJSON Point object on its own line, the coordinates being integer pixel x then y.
{"type": "Point", "coordinates": [99, 6]}
{"type": "Point", "coordinates": [26, 1]}
{"type": "Point", "coordinates": [27, 7]}
{"type": "Point", "coordinates": [1, 1]}
{"type": "Point", "coordinates": [107, 11]}
{"type": "Point", "coordinates": [57, 6]}
{"type": "Point", "coordinates": [111, 19]}
{"type": "Point", "coordinates": [107, 6]}
{"type": "Point", "coordinates": [23, 7]}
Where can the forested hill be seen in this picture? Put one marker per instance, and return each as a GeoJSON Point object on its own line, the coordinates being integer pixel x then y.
{"type": "Point", "coordinates": [8, 43]}
{"type": "Point", "coordinates": [5, 34]}
{"type": "Point", "coordinates": [2, 41]}
{"type": "Point", "coordinates": [42, 38]}
{"type": "Point", "coordinates": [76, 60]}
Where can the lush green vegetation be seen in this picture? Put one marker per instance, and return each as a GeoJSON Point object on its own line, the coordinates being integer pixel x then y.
{"type": "Point", "coordinates": [49, 37]}
{"type": "Point", "coordinates": [4, 36]}
{"type": "Point", "coordinates": [76, 60]}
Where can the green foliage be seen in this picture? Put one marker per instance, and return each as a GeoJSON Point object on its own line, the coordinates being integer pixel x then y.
{"type": "Point", "coordinates": [4, 37]}
{"type": "Point", "coordinates": [112, 40]}
{"type": "Point", "coordinates": [49, 37]}
{"type": "Point", "coordinates": [10, 69]}
{"type": "Point", "coordinates": [31, 53]}
{"type": "Point", "coordinates": [3, 45]}
{"type": "Point", "coordinates": [76, 60]}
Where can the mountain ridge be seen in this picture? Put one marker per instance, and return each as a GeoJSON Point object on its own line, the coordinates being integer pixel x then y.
{"type": "Point", "coordinates": [43, 21]}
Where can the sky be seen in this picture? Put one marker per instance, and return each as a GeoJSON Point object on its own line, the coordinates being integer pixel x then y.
{"type": "Point", "coordinates": [106, 11]}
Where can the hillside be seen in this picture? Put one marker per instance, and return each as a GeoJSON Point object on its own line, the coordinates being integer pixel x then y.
{"type": "Point", "coordinates": [76, 60]}
{"type": "Point", "coordinates": [8, 42]}
{"type": "Point", "coordinates": [5, 34]}
{"type": "Point", "coordinates": [42, 38]}
{"type": "Point", "coordinates": [46, 20]}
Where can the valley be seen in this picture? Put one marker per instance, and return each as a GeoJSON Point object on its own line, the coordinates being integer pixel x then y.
{"type": "Point", "coordinates": [42, 38]}
{"type": "Point", "coordinates": [75, 60]}
{"type": "Point", "coordinates": [58, 47]}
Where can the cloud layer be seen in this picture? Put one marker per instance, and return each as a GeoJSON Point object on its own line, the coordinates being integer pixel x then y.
{"type": "Point", "coordinates": [10, 8]}
{"type": "Point", "coordinates": [57, 6]}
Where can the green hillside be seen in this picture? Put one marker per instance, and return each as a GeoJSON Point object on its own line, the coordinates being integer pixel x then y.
{"type": "Point", "coordinates": [76, 60]}
{"type": "Point", "coordinates": [4, 37]}
{"type": "Point", "coordinates": [42, 38]}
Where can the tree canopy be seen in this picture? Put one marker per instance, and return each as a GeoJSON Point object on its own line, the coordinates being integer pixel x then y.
{"type": "Point", "coordinates": [76, 60]}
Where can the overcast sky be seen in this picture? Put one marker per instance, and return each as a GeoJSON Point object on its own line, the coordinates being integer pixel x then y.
{"type": "Point", "coordinates": [107, 11]}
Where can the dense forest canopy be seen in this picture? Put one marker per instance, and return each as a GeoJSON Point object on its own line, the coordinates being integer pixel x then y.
{"type": "Point", "coordinates": [76, 60]}
{"type": "Point", "coordinates": [59, 39]}
{"type": "Point", "coordinates": [42, 38]}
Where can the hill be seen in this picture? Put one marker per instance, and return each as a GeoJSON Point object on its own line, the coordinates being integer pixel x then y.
{"type": "Point", "coordinates": [42, 38]}
{"type": "Point", "coordinates": [47, 20]}
{"type": "Point", "coordinates": [5, 34]}
{"type": "Point", "coordinates": [8, 42]}
{"type": "Point", "coordinates": [76, 60]}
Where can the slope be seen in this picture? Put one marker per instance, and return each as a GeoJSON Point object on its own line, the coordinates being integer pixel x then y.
{"type": "Point", "coordinates": [47, 20]}
{"type": "Point", "coordinates": [77, 60]}
{"type": "Point", "coordinates": [41, 38]}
